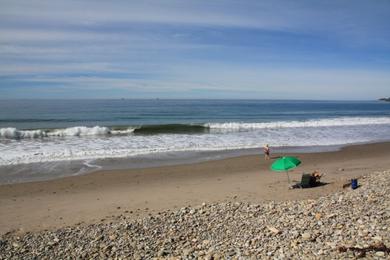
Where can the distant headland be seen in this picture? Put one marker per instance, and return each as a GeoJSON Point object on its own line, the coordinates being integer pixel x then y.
{"type": "Point", "coordinates": [385, 99]}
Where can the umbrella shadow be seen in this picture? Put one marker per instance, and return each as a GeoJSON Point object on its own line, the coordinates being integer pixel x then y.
{"type": "Point", "coordinates": [298, 185]}
{"type": "Point", "coordinates": [321, 183]}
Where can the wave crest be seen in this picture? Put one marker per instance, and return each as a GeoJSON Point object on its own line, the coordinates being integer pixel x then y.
{"type": "Point", "coordinates": [80, 131]}
{"type": "Point", "coordinates": [13, 133]}
{"type": "Point", "coordinates": [342, 121]}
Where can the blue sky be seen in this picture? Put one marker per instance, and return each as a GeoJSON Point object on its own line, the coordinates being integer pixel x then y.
{"type": "Point", "coordinates": [195, 49]}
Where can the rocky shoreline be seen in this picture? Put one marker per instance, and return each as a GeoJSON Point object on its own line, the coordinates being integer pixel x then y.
{"type": "Point", "coordinates": [350, 223]}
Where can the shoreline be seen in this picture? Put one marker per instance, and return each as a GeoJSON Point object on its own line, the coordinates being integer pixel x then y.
{"type": "Point", "coordinates": [135, 193]}
{"type": "Point", "coordinates": [52, 170]}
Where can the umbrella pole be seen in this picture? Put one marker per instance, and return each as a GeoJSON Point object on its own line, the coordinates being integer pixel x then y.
{"type": "Point", "coordinates": [288, 178]}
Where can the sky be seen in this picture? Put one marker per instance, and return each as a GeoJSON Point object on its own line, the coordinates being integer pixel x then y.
{"type": "Point", "coordinates": [335, 50]}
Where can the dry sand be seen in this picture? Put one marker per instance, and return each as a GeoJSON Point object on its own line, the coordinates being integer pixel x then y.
{"type": "Point", "coordinates": [102, 195]}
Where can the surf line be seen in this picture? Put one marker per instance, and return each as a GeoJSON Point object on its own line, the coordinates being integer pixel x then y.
{"type": "Point", "coordinates": [89, 164]}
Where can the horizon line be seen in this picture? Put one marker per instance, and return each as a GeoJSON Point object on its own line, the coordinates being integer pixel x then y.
{"type": "Point", "coordinates": [157, 98]}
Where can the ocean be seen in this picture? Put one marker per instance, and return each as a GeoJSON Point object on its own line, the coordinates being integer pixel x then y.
{"type": "Point", "coordinates": [42, 139]}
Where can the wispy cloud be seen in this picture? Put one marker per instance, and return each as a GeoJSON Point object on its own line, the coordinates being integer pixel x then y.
{"type": "Point", "coordinates": [161, 47]}
{"type": "Point", "coordinates": [244, 82]}
{"type": "Point", "coordinates": [201, 13]}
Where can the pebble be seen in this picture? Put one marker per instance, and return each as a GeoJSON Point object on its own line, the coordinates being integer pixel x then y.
{"type": "Point", "coordinates": [306, 236]}
{"type": "Point", "coordinates": [304, 229]}
{"type": "Point", "coordinates": [274, 230]}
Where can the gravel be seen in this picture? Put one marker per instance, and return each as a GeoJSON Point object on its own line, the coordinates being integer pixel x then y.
{"type": "Point", "coordinates": [325, 228]}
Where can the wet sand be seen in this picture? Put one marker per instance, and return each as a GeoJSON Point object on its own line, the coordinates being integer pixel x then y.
{"type": "Point", "coordinates": [103, 195]}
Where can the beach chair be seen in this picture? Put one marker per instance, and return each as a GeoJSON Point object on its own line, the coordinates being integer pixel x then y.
{"type": "Point", "coordinates": [307, 181]}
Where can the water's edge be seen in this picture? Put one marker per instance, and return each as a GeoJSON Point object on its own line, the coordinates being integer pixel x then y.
{"type": "Point", "coordinates": [34, 172]}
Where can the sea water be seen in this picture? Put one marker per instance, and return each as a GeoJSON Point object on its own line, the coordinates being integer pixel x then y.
{"type": "Point", "coordinates": [50, 138]}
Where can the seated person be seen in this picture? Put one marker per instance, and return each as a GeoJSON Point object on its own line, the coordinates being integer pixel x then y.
{"type": "Point", "coordinates": [316, 174]}
{"type": "Point", "coordinates": [309, 180]}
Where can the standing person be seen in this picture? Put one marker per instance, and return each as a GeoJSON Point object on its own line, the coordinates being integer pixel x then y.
{"type": "Point", "coordinates": [266, 152]}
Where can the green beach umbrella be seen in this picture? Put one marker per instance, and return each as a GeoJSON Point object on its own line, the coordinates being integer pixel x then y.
{"type": "Point", "coordinates": [284, 164]}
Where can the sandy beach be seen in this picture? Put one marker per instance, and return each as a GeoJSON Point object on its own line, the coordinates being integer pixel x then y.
{"type": "Point", "coordinates": [137, 131]}
{"type": "Point", "coordinates": [102, 196]}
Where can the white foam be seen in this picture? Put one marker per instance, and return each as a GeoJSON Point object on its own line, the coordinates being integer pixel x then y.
{"type": "Point", "coordinates": [341, 121]}
{"type": "Point", "coordinates": [122, 132]}
{"type": "Point", "coordinates": [89, 164]}
{"type": "Point", "coordinates": [118, 146]}
{"type": "Point", "coordinates": [13, 133]}
{"type": "Point", "coordinates": [88, 143]}
{"type": "Point", "coordinates": [80, 131]}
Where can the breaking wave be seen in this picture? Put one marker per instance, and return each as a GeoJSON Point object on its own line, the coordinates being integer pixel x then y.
{"type": "Point", "coordinates": [171, 128]}
{"type": "Point", "coordinates": [13, 133]}
{"type": "Point", "coordinates": [341, 121]}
